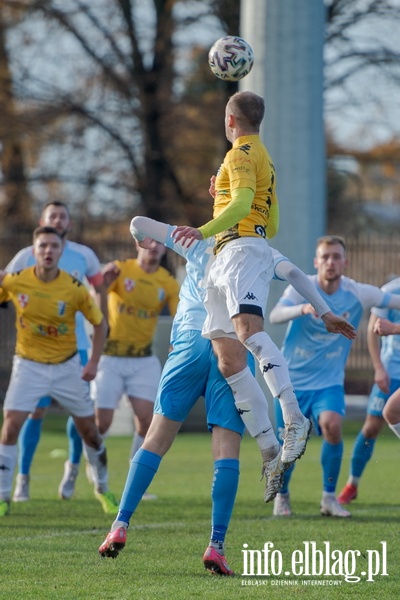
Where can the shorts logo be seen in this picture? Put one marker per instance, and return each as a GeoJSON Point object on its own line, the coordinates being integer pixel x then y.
{"type": "Point", "coordinates": [61, 308]}
{"type": "Point", "coordinates": [269, 367]}
{"type": "Point", "coordinates": [250, 296]}
{"type": "Point", "coordinates": [129, 284]}
{"type": "Point", "coordinates": [23, 300]}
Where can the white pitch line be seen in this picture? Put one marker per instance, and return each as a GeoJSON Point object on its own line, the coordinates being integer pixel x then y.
{"type": "Point", "coordinates": [94, 531]}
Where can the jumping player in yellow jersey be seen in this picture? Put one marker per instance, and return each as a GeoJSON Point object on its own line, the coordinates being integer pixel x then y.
{"type": "Point", "coordinates": [246, 213]}
{"type": "Point", "coordinates": [138, 290]}
{"type": "Point", "coordinates": [46, 359]}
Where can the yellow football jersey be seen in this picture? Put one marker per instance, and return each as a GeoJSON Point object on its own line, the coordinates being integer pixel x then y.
{"type": "Point", "coordinates": [135, 301]}
{"type": "Point", "coordinates": [246, 165]}
{"type": "Point", "coordinates": [45, 314]}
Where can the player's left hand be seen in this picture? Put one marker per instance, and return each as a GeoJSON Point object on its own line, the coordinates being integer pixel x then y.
{"type": "Point", "coordinates": [89, 371]}
{"type": "Point", "coordinates": [336, 324]}
{"type": "Point", "coordinates": [186, 235]}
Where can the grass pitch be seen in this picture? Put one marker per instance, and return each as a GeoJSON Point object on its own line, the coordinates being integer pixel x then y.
{"type": "Point", "coordinates": [49, 546]}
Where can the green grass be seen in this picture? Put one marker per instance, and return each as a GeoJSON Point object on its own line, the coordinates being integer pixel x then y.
{"type": "Point", "coordinates": [49, 547]}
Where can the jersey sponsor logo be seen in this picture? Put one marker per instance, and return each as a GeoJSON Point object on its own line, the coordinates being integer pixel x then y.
{"type": "Point", "coordinates": [141, 313]}
{"type": "Point", "coordinates": [23, 300]}
{"type": "Point", "coordinates": [260, 230]}
{"type": "Point", "coordinates": [50, 330]}
{"type": "Point", "coordinates": [129, 284]}
{"type": "Point", "coordinates": [61, 308]}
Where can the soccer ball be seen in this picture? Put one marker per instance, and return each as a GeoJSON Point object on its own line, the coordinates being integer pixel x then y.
{"type": "Point", "coordinates": [231, 58]}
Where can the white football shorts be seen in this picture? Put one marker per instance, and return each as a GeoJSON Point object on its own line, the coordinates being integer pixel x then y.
{"type": "Point", "coordinates": [238, 282]}
{"type": "Point", "coordinates": [137, 377]}
{"type": "Point", "coordinates": [31, 380]}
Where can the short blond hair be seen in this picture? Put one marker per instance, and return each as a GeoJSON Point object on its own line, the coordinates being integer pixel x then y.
{"type": "Point", "coordinates": [331, 240]}
{"type": "Point", "coordinates": [248, 108]}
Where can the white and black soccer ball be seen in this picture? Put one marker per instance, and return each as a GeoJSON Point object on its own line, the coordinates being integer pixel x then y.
{"type": "Point", "coordinates": [231, 58]}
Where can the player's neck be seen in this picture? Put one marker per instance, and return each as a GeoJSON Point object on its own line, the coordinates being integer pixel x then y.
{"type": "Point", "coordinates": [329, 286]}
{"type": "Point", "coordinates": [148, 266]}
{"type": "Point", "coordinates": [46, 275]}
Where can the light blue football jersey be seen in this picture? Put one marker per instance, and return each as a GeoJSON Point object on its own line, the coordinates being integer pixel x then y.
{"type": "Point", "coordinates": [390, 344]}
{"type": "Point", "coordinates": [79, 261]}
{"type": "Point", "coordinates": [316, 358]}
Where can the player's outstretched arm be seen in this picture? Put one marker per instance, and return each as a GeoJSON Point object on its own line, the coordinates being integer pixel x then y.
{"type": "Point", "coordinates": [336, 324]}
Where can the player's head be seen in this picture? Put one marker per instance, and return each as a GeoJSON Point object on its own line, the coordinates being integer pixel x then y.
{"type": "Point", "coordinates": [56, 214]}
{"type": "Point", "coordinates": [244, 112]}
{"type": "Point", "coordinates": [151, 255]}
{"type": "Point", "coordinates": [47, 246]}
{"type": "Point", "coordinates": [330, 257]}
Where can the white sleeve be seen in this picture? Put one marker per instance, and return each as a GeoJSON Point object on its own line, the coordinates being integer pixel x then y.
{"type": "Point", "coordinates": [302, 285]}
{"type": "Point", "coordinates": [283, 314]}
{"type": "Point", "coordinates": [142, 227]}
{"type": "Point", "coordinates": [21, 260]}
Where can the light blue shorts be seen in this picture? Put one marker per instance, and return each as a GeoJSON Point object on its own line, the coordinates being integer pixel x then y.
{"type": "Point", "coordinates": [377, 399]}
{"type": "Point", "coordinates": [191, 371]}
{"type": "Point", "coordinates": [313, 403]}
{"type": "Point", "coordinates": [46, 400]}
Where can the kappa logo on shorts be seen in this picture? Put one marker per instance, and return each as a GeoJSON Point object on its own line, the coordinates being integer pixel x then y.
{"type": "Point", "coordinates": [4, 468]}
{"type": "Point", "coordinates": [250, 296]}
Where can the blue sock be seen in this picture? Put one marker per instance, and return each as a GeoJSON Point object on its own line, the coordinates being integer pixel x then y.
{"type": "Point", "coordinates": [362, 452]}
{"type": "Point", "coordinates": [331, 459]}
{"type": "Point", "coordinates": [223, 494]}
{"type": "Point", "coordinates": [74, 442]}
{"type": "Point", "coordinates": [286, 479]}
{"type": "Point", "coordinates": [28, 440]}
{"type": "Point", "coordinates": [143, 467]}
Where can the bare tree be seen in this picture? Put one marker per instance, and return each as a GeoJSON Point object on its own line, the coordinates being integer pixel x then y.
{"type": "Point", "coordinates": [108, 74]}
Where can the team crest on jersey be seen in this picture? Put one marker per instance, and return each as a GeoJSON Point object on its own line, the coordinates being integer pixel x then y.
{"type": "Point", "coordinates": [129, 284]}
{"type": "Point", "coordinates": [161, 294]}
{"type": "Point", "coordinates": [61, 308]}
{"type": "Point", "coordinates": [23, 300]}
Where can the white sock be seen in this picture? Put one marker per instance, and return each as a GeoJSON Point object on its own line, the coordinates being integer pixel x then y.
{"type": "Point", "coordinates": [8, 462]}
{"type": "Point", "coordinates": [118, 524]}
{"type": "Point", "coordinates": [272, 363]}
{"type": "Point", "coordinates": [395, 428]}
{"type": "Point", "coordinates": [328, 495]}
{"type": "Point", "coordinates": [98, 463]}
{"type": "Point", "coordinates": [250, 402]}
{"type": "Point", "coordinates": [352, 480]}
{"type": "Point", "coordinates": [290, 407]}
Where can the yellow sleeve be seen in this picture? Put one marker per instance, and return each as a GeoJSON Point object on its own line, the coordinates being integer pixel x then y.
{"type": "Point", "coordinates": [273, 221]}
{"type": "Point", "coordinates": [237, 209]}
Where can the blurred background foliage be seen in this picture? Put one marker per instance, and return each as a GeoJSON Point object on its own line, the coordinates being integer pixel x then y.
{"type": "Point", "coordinates": [111, 107]}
